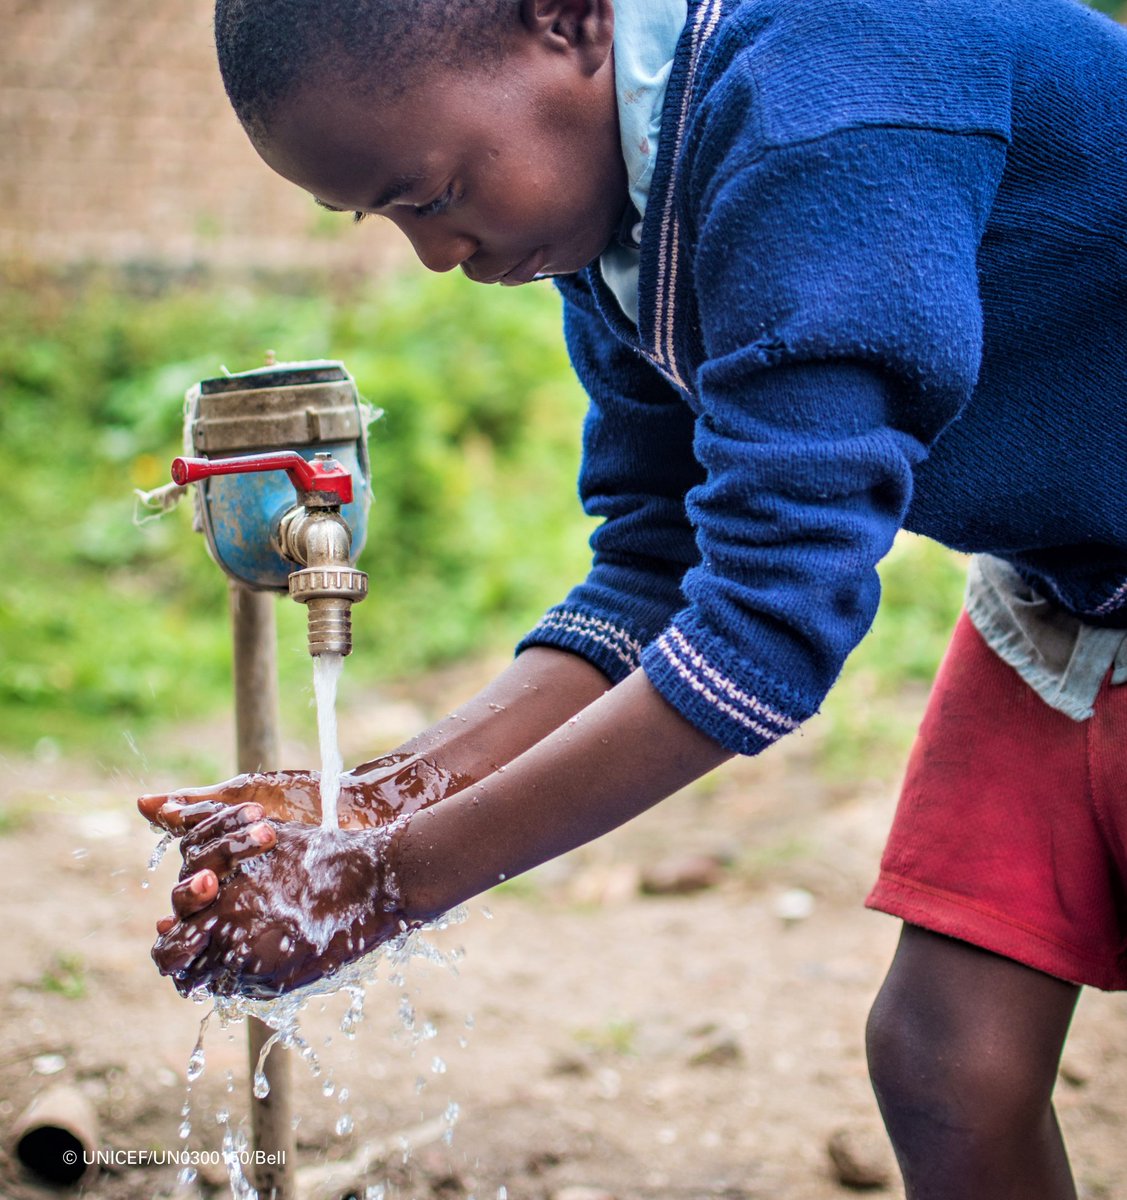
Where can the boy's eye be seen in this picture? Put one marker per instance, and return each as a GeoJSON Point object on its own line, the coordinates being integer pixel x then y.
{"type": "Point", "coordinates": [438, 205]}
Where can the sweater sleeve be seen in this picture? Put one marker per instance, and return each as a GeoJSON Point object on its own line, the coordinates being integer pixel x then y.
{"type": "Point", "coordinates": [636, 469]}
{"type": "Point", "coordinates": [841, 331]}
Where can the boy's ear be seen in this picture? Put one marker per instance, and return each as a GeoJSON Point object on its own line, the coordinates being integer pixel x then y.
{"type": "Point", "coordinates": [581, 27]}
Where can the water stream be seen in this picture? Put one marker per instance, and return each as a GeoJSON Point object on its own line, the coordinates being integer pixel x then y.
{"type": "Point", "coordinates": [326, 676]}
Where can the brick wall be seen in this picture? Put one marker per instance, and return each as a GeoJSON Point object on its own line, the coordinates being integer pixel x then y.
{"type": "Point", "coordinates": [117, 145]}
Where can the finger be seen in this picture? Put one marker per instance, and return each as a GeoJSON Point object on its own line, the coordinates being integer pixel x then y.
{"type": "Point", "coordinates": [219, 969]}
{"type": "Point", "coordinates": [222, 855]}
{"type": "Point", "coordinates": [164, 808]}
{"type": "Point", "coordinates": [176, 950]}
{"type": "Point", "coordinates": [173, 816]}
{"type": "Point", "coordinates": [196, 892]}
{"type": "Point", "coordinates": [220, 821]}
{"type": "Point", "coordinates": [150, 806]}
{"type": "Point", "coordinates": [165, 924]}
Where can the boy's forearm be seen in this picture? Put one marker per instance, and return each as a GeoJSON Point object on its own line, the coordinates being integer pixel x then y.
{"type": "Point", "coordinates": [537, 693]}
{"type": "Point", "coordinates": [624, 752]}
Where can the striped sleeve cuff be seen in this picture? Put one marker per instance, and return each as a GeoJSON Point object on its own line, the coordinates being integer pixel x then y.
{"type": "Point", "coordinates": [614, 650]}
{"type": "Point", "coordinates": [685, 665]}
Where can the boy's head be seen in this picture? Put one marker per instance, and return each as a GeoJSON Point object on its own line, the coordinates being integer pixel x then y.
{"type": "Point", "coordinates": [486, 130]}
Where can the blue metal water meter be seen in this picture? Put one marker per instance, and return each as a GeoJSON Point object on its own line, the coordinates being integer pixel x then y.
{"type": "Point", "coordinates": [309, 407]}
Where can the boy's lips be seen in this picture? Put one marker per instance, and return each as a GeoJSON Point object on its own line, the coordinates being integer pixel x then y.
{"type": "Point", "coordinates": [525, 271]}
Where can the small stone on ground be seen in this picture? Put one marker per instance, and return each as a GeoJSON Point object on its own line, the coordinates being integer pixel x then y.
{"type": "Point", "coordinates": [861, 1158]}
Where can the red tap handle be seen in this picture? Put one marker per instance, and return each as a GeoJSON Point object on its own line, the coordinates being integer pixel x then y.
{"type": "Point", "coordinates": [320, 475]}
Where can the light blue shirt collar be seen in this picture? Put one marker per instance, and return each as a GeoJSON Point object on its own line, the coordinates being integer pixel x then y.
{"type": "Point", "coordinates": [646, 33]}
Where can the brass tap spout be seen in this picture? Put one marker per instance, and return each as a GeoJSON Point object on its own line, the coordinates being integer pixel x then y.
{"type": "Point", "coordinates": [320, 540]}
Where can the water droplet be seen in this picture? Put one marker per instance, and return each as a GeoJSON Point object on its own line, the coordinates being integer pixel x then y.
{"type": "Point", "coordinates": [328, 1087]}
{"type": "Point", "coordinates": [438, 1066]}
{"type": "Point", "coordinates": [407, 1013]}
{"type": "Point", "coordinates": [185, 1129]}
{"type": "Point", "coordinates": [222, 1116]}
{"type": "Point", "coordinates": [342, 1095]}
{"type": "Point", "coordinates": [487, 912]}
{"type": "Point", "coordinates": [81, 852]}
{"type": "Point", "coordinates": [196, 1064]}
{"type": "Point", "coordinates": [344, 1126]}
{"type": "Point", "coordinates": [186, 1177]}
{"type": "Point", "coordinates": [261, 1087]}
{"type": "Point", "coordinates": [502, 1193]}
{"type": "Point", "coordinates": [158, 851]}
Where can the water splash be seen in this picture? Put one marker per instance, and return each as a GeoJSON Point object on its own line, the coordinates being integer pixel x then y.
{"type": "Point", "coordinates": [196, 1060]}
{"type": "Point", "coordinates": [158, 851]}
{"type": "Point", "coordinates": [326, 676]}
{"type": "Point", "coordinates": [234, 1155]}
{"type": "Point", "coordinates": [196, 1064]}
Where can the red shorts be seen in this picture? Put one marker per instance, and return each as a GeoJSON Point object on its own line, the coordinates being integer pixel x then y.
{"type": "Point", "coordinates": [1011, 832]}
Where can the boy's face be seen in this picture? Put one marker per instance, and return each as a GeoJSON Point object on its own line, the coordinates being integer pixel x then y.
{"type": "Point", "coordinates": [508, 173]}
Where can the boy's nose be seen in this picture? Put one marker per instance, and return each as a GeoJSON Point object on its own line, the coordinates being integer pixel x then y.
{"type": "Point", "coordinates": [442, 251]}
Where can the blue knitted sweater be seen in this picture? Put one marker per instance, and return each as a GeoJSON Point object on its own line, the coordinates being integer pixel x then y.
{"type": "Point", "coordinates": [883, 284]}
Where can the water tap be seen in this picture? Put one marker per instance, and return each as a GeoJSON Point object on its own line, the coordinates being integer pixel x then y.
{"type": "Point", "coordinates": [310, 534]}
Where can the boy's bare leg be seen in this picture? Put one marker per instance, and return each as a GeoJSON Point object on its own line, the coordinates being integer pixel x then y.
{"type": "Point", "coordinates": [964, 1047]}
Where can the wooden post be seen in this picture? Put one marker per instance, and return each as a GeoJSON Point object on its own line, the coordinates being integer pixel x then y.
{"type": "Point", "coordinates": [256, 738]}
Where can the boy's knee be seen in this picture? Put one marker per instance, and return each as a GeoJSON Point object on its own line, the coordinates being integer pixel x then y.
{"type": "Point", "coordinates": [949, 1070]}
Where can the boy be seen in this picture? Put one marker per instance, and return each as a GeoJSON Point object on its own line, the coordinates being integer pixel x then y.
{"type": "Point", "coordinates": [829, 270]}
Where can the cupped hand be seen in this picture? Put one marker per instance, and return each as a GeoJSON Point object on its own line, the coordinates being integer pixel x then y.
{"type": "Point", "coordinates": [371, 794]}
{"type": "Point", "coordinates": [320, 900]}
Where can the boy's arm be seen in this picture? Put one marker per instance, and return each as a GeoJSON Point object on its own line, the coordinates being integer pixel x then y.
{"type": "Point", "coordinates": [535, 694]}
{"type": "Point", "coordinates": [842, 330]}
{"type": "Point", "coordinates": [619, 756]}
{"type": "Point", "coordinates": [616, 758]}
{"type": "Point", "coordinates": [638, 468]}
{"type": "Point", "coordinates": [539, 691]}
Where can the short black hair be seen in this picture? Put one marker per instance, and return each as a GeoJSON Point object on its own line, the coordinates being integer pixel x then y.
{"type": "Point", "coordinates": [268, 48]}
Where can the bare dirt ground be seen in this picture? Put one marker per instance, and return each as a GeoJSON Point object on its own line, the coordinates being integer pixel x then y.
{"type": "Point", "coordinates": [600, 1043]}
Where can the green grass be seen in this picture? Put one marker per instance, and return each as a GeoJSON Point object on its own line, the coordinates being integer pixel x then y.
{"type": "Point", "coordinates": [65, 976]}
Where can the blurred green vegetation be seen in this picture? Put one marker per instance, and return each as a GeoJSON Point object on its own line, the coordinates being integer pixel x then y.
{"type": "Point", "coordinates": [107, 626]}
